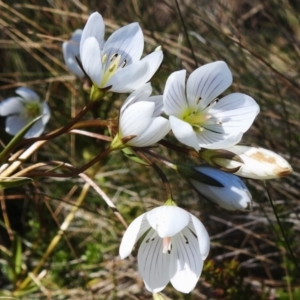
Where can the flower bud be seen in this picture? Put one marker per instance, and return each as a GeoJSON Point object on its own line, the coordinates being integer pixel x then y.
{"type": "Point", "coordinates": [256, 163]}
{"type": "Point", "coordinates": [234, 194]}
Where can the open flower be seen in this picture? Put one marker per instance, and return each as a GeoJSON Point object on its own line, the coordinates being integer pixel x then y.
{"type": "Point", "coordinates": [257, 163]}
{"type": "Point", "coordinates": [115, 65]}
{"type": "Point", "coordinates": [70, 51]}
{"type": "Point", "coordinates": [140, 120]}
{"type": "Point", "coordinates": [23, 109]}
{"type": "Point", "coordinates": [234, 195]}
{"type": "Point", "coordinates": [175, 245]}
{"type": "Point", "coordinates": [199, 119]}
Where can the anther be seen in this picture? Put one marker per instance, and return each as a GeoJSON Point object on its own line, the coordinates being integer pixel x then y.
{"type": "Point", "coordinates": [114, 56]}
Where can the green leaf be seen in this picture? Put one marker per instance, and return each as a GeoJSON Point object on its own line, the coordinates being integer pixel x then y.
{"type": "Point", "coordinates": [128, 152]}
{"type": "Point", "coordinates": [17, 255]}
{"type": "Point", "coordinates": [9, 182]}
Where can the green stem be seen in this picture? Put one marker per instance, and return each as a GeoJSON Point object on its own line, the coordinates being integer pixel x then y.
{"type": "Point", "coordinates": [159, 172]}
{"type": "Point", "coordinates": [282, 230]}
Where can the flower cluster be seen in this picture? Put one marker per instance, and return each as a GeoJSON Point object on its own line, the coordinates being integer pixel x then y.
{"type": "Point", "coordinates": [174, 243]}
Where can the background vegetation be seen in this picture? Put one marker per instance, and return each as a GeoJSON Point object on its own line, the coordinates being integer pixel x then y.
{"type": "Point", "coordinates": [249, 259]}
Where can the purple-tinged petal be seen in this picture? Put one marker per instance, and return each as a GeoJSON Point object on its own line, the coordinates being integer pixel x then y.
{"type": "Point", "coordinates": [94, 27]}
{"type": "Point", "coordinates": [27, 94]}
{"type": "Point", "coordinates": [206, 83]}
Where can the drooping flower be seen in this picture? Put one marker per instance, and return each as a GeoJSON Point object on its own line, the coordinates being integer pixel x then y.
{"type": "Point", "coordinates": [23, 109]}
{"type": "Point", "coordinates": [140, 119]}
{"type": "Point", "coordinates": [174, 248]}
{"type": "Point", "coordinates": [115, 65]}
{"type": "Point", "coordinates": [234, 195]}
{"type": "Point", "coordinates": [197, 117]}
{"type": "Point", "coordinates": [71, 51]}
{"type": "Point", "coordinates": [256, 162]}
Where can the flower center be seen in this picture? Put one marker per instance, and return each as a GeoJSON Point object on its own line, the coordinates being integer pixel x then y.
{"type": "Point", "coordinates": [32, 109]}
{"type": "Point", "coordinates": [196, 119]}
{"type": "Point", "coordinates": [110, 69]}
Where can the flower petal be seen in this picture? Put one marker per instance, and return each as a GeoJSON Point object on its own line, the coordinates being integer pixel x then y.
{"type": "Point", "coordinates": [128, 41]}
{"type": "Point", "coordinates": [153, 263]}
{"type": "Point", "coordinates": [203, 238]}
{"type": "Point", "coordinates": [36, 130]}
{"type": "Point", "coordinates": [46, 113]}
{"type": "Point", "coordinates": [234, 195]}
{"type": "Point", "coordinates": [27, 94]}
{"type": "Point", "coordinates": [94, 27]}
{"type": "Point", "coordinates": [208, 82]}
{"type": "Point", "coordinates": [70, 51]}
{"type": "Point", "coordinates": [136, 118]}
{"type": "Point", "coordinates": [11, 106]}
{"type": "Point", "coordinates": [156, 131]}
{"type": "Point", "coordinates": [214, 140]}
{"type": "Point", "coordinates": [154, 60]}
{"type": "Point", "coordinates": [184, 132]}
{"type": "Point", "coordinates": [134, 231]}
{"type": "Point", "coordinates": [236, 112]}
{"type": "Point", "coordinates": [186, 263]}
{"type": "Point", "coordinates": [14, 124]}
{"type": "Point", "coordinates": [140, 94]}
{"type": "Point", "coordinates": [129, 78]}
{"type": "Point", "coordinates": [91, 60]}
{"type": "Point", "coordinates": [175, 102]}
{"type": "Point", "coordinates": [168, 220]}
{"type": "Point", "coordinates": [159, 105]}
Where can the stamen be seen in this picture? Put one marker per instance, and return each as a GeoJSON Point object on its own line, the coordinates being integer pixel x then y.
{"type": "Point", "coordinates": [114, 56]}
{"type": "Point", "coordinates": [186, 239]}
{"type": "Point", "coordinates": [152, 237]}
{"type": "Point", "coordinates": [104, 58]}
{"type": "Point", "coordinates": [32, 109]}
{"type": "Point", "coordinates": [214, 102]}
{"type": "Point", "coordinates": [112, 68]}
{"type": "Point", "coordinates": [124, 63]}
{"type": "Point", "coordinates": [198, 100]}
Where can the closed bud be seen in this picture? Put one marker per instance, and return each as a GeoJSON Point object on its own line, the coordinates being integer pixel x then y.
{"type": "Point", "coordinates": [255, 163]}
{"type": "Point", "coordinates": [234, 194]}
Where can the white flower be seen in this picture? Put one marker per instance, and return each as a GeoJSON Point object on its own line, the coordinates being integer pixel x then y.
{"type": "Point", "coordinates": [115, 65]}
{"type": "Point", "coordinates": [199, 119]}
{"type": "Point", "coordinates": [70, 51]}
{"type": "Point", "coordinates": [234, 194]}
{"type": "Point", "coordinates": [140, 117]}
{"type": "Point", "coordinates": [22, 110]}
{"type": "Point", "coordinates": [259, 163]}
{"type": "Point", "coordinates": [173, 249]}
